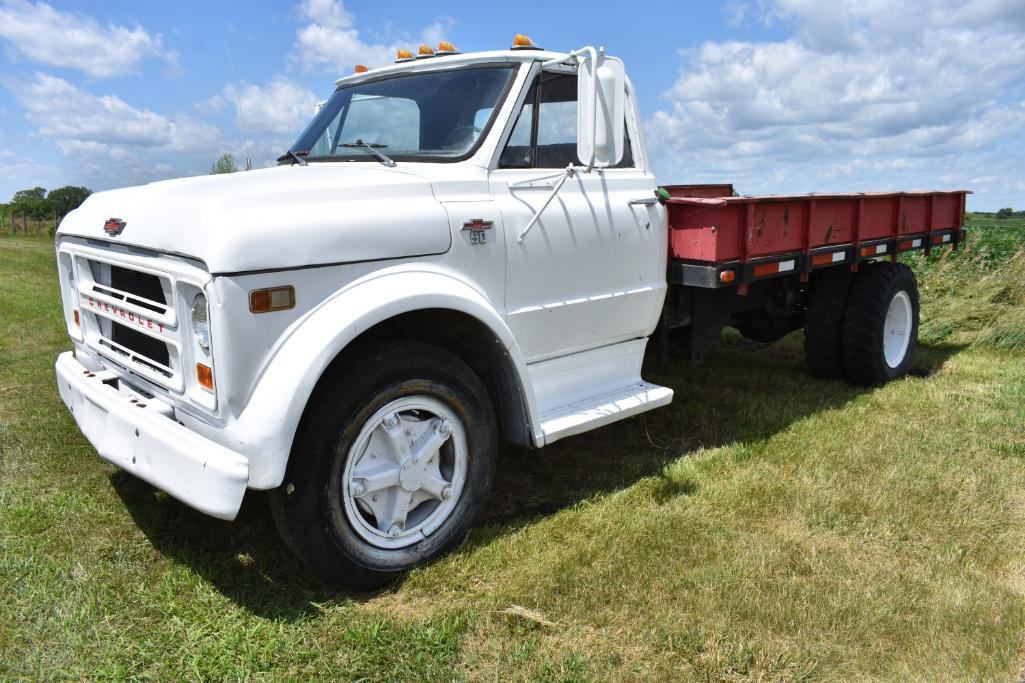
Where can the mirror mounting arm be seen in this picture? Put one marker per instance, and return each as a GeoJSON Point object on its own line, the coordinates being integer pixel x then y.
{"type": "Point", "coordinates": [571, 171]}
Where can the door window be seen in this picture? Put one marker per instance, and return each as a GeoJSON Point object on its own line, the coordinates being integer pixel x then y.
{"type": "Point", "coordinates": [549, 139]}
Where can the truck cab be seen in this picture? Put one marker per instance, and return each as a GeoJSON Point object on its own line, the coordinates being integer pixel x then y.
{"type": "Point", "coordinates": [458, 249]}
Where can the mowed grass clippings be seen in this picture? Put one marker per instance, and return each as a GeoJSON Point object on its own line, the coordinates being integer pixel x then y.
{"type": "Point", "coordinates": [764, 526]}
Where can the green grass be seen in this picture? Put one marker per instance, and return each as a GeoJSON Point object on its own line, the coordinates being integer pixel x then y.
{"type": "Point", "coordinates": [764, 526]}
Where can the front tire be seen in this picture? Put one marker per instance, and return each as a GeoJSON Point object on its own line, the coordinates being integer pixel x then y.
{"type": "Point", "coordinates": [391, 466]}
{"type": "Point", "coordinates": [880, 324]}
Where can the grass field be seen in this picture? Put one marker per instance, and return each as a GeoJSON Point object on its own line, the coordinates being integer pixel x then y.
{"type": "Point", "coordinates": [764, 526]}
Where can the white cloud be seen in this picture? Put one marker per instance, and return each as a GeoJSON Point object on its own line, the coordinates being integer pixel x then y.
{"type": "Point", "coordinates": [873, 92]}
{"type": "Point", "coordinates": [6, 154]}
{"type": "Point", "coordinates": [329, 39]}
{"type": "Point", "coordinates": [438, 31]}
{"type": "Point", "coordinates": [69, 116]}
{"type": "Point", "coordinates": [39, 33]}
{"type": "Point", "coordinates": [279, 106]}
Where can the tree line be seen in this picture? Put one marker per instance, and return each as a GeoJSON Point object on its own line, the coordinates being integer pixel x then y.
{"type": "Point", "coordinates": [39, 207]}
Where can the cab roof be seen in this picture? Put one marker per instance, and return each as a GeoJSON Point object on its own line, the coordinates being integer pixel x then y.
{"type": "Point", "coordinates": [440, 61]}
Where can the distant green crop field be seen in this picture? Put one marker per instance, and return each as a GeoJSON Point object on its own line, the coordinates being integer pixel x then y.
{"type": "Point", "coordinates": [765, 526]}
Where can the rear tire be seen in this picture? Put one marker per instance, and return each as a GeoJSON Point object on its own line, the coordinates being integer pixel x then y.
{"type": "Point", "coordinates": [824, 322]}
{"type": "Point", "coordinates": [391, 466]}
{"type": "Point", "coordinates": [881, 324]}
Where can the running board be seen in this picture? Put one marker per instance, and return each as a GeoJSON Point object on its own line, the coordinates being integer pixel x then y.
{"type": "Point", "coordinates": [606, 408]}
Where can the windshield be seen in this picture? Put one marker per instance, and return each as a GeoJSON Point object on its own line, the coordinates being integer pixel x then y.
{"type": "Point", "coordinates": [439, 115]}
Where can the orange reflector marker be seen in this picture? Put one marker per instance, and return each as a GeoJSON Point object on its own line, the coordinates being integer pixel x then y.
{"type": "Point", "coordinates": [825, 259]}
{"type": "Point", "coordinates": [360, 69]}
{"type": "Point", "coordinates": [205, 376]}
{"type": "Point", "coordinates": [766, 269]}
{"type": "Point", "coordinates": [274, 299]}
{"type": "Point", "coordinates": [447, 48]}
{"type": "Point", "coordinates": [404, 56]}
{"type": "Point", "coordinates": [522, 42]}
{"type": "Point", "coordinates": [425, 51]}
{"type": "Point", "coordinates": [74, 315]}
{"type": "Point", "coordinates": [873, 251]}
{"type": "Point", "coordinates": [727, 276]}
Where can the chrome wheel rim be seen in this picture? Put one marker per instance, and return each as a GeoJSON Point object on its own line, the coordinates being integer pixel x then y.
{"type": "Point", "coordinates": [897, 329]}
{"type": "Point", "coordinates": [404, 472]}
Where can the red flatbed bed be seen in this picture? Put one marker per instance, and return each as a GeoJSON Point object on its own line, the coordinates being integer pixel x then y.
{"type": "Point", "coordinates": [717, 239]}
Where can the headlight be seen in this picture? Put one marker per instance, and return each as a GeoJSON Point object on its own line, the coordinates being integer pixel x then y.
{"type": "Point", "coordinates": [201, 322]}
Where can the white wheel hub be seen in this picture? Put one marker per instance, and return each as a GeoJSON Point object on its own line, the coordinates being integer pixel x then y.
{"type": "Point", "coordinates": [404, 472]}
{"type": "Point", "coordinates": [897, 329]}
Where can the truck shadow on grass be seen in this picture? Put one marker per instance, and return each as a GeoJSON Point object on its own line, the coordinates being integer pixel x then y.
{"type": "Point", "coordinates": [720, 402]}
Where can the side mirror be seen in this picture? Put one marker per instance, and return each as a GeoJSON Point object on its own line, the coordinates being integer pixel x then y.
{"type": "Point", "coordinates": [601, 110]}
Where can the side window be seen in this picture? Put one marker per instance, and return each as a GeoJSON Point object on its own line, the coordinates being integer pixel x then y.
{"type": "Point", "coordinates": [556, 142]}
{"type": "Point", "coordinates": [518, 152]}
{"type": "Point", "coordinates": [550, 141]}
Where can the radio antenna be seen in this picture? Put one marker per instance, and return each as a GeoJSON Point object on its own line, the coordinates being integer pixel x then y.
{"type": "Point", "coordinates": [238, 102]}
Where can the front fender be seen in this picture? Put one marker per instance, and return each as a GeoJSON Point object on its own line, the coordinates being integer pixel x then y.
{"type": "Point", "coordinates": [267, 425]}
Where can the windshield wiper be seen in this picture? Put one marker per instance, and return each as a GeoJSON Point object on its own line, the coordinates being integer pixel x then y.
{"type": "Point", "coordinates": [296, 157]}
{"type": "Point", "coordinates": [372, 147]}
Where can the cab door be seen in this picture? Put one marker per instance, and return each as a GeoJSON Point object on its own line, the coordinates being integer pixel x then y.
{"type": "Point", "coordinates": [591, 271]}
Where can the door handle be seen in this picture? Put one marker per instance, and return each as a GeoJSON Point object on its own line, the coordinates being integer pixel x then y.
{"type": "Point", "coordinates": [647, 201]}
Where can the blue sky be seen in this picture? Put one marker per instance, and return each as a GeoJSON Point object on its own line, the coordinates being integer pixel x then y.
{"type": "Point", "coordinates": [776, 96]}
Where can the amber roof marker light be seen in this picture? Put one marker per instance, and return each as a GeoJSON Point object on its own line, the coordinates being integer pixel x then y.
{"type": "Point", "coordinates": [404, 56]}
{"type": "Point", "coordinates": [360, 69]}
{"type": "Point", "coordinates": [447, 48]}
{"type": "Point", "coordinates": [523, 42]}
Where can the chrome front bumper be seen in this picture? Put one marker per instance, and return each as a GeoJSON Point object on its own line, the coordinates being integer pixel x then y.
{"type": "Point", "coordinates": [142, 437]}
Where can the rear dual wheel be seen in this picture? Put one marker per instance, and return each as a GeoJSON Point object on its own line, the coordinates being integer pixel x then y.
{"type": "Point", "coordinates": [863, 327]}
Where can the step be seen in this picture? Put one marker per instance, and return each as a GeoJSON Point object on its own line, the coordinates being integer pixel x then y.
{"type": "Point", "coordinates": [602, 409]}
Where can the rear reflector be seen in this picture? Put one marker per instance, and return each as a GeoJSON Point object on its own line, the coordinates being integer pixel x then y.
{"type": "Point", "coordinates": [274, 299]}
{"type": "Point", "coordinates": [910, 244]}
{"type": "Point", "coordinates": [873, 251]}
{"type": "Point", "coordinates": [940, 239]}
{"type": "Point", "coordinates": [773, 268]}
{"type": "Point", "coordinates": [823, 259]}
{"type": "Point", "coordinates": [205, 376]}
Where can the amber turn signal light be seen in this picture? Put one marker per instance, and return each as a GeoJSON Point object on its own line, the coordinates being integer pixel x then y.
{"type": "Point", "coordinates": [205, 376]}
{"type": "Point", "coordinates": [274, 299]}
{"type": "Point", "coordinates": [74, 315]}
{"type": "Point", "coordinates": [727, 276]}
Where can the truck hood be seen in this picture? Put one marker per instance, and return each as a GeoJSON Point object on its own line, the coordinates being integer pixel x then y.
{"type": "Point", "coordinates": [275, 218]}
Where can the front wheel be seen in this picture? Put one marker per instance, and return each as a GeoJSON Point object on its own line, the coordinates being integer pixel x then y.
{"type": "Point", "coordinates": [392, 466]}
{"type": "Point", "coordinates": [880, 324]}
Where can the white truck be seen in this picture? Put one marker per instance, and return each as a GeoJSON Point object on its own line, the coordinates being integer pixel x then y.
{"type": "Point", "coordinates": [459, 248]}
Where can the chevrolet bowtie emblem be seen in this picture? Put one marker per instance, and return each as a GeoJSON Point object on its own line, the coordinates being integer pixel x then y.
{"type": "Point", "coordinates": [114, 226]}
{"type": "Point", "coordinates": [478, 224]}
{"type": "Point", "coordinates": [477, 229]}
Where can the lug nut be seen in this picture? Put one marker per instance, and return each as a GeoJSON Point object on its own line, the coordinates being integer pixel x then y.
{"type": "Point", "coordinates": [446, 493]}
{"type": "Point", "coordinates": [446, 428]}
{"type": "Point", "coordinates": [357, 489]}
{"type": "Point", "coordinates": [392, 420]}
{"type": "Point", "coordinates": [394, 531]}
